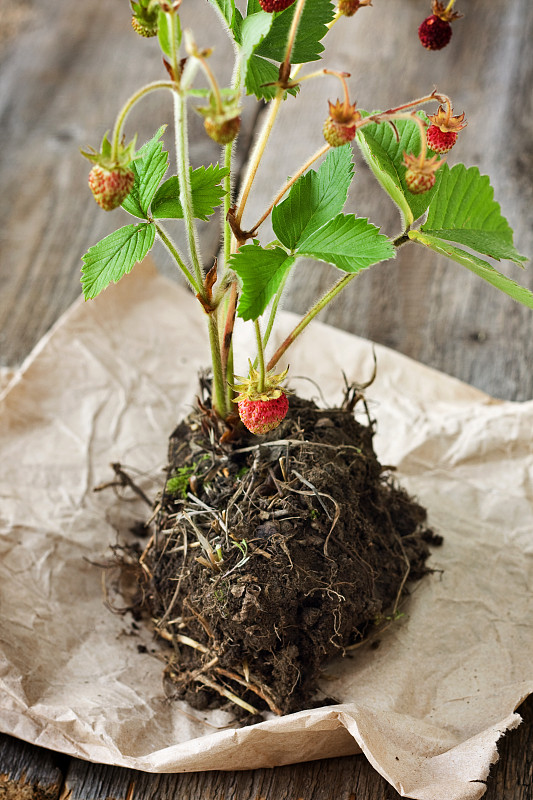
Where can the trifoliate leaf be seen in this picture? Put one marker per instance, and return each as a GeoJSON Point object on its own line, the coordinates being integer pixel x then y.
{"type": "Point", "coordinates": [384, 155]}
{"type": "Point", "coordinates": [261, 273]}
{"type": "Point", "coordinates": [207, 194]}
{"type": "Point", "coordinates": [475, 265]}
{"type": "Point", "coordinates": [115, 256]}
{"type": "Point", "coordinates": [149, 168]}
{"type": "Point", "coordinates": [464, 210]}
{"type": "Point", "coordinates": [348, 242]}
{"type": "Point", "coordinates": [311, 30]}
{"type": "Point", "coordinates": [315, 198]}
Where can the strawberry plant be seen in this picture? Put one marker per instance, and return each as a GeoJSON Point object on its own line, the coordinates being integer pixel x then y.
{"type": "Point", "coordinates": [450, 210]}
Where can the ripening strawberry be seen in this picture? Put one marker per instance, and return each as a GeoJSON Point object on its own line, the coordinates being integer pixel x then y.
{"type": "Point", "coordinates": [110, 187]}
{"type": "Point", "coordinates": [111, 179]}
{"type": "Point", "coordinates": [261, 416]}
{"type": "Point", "coordinates": [275, 5]}
{"type": "Point", "coordinates": [435, 31]}
{"type": "Point", "coordinates": [420, 175]}
{"type": "Point", "coordinates": [222, 132]}
{"type": "Point", "coordinates": [340, 126]}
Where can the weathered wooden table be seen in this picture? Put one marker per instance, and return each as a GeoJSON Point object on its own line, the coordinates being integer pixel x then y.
{"type": "Point", "coordinates": [65, 67]}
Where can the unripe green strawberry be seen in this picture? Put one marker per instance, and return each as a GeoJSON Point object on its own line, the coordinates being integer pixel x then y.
{"type": "Point", "coordinates": [222, 132]}
{"type": "Point", "coordinates": [275, 5]}
{"type": "Point", "coordinates": [110, 187]}
{"type": "Point", "coordinates": [440, 141]}
{"type": "Point", "coordinates": [145, 17]}
{"type": "Point", "coordinates": [261, 416]}
{"type": "Point", "coordinates": [142, 29]}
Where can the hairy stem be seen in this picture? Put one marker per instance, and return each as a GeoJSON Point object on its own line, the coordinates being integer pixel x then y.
{"type": "Point", "coordinates": [260, 357]}
{"type": "Point", "coordinates": [311, 314]}
{"type": "Point", "coordinates": [128, 105]}
{"type": "Point", "coordinates": [173, 250]}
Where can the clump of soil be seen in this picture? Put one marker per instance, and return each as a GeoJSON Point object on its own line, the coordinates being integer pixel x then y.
{"type": "Point", "coordinates": [274, 553]}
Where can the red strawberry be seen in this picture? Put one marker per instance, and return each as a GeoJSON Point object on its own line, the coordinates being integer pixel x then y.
{"type": "Point", "coordinates": [435, 32]}
{"type": "Point", "coordinates": [261, 416]}
{"type": "Point", "coordinates": [442, 133]}
{"type": "Point", "coordinates": [275, 5]}
{"type": "Point", "coordinates": [440, 141]}
{"type": "Point", "coordinates": [110, 187]}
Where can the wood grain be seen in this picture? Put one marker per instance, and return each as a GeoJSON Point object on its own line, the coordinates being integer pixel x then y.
{"type": "Point", "coordinates": [27, 772]}
{"type": "Point", "coordinates": [53, 101]}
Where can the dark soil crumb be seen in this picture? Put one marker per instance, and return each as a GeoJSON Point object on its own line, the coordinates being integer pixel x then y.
{"type": "Point", "coordinates": [275, 553]}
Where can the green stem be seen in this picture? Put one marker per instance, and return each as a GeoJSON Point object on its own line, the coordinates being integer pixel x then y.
{"type": "Point", "coordinates": [219, 382]}
{"type": "Point", "coordinates": [273, 312]}
{"type": "Point", "coordinates": [260, 357]}
{"type": "Point", "coordinates": [173, 250]}
{"type": "Point", "coordinates": [128, 105]}
{"type": "Point", "coordinates": [257, 155]}
{"type": "Point", "coordinates": [184, 178]}
{"type": "Point", "coordinates": [311, 314]}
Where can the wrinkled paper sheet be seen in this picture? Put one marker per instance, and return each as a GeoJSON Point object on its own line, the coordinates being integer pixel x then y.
{"type": "Point", "coordinates": [108, 384]}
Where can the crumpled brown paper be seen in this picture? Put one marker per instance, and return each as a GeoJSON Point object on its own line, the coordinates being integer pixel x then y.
{"type": "Point", "coordinates": [109, 383]}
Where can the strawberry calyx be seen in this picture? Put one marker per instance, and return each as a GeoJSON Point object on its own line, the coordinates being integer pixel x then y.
{"type": "Point", "coordinates": [443, 12]}
{"type": "Point", "coordinates": [119, 162]}
{"type": "Point", "coordinates": [446, 122]}
{"type": "Point", "coordinates": [248, 388]}
{"type": "Point", "coordinates": [222, 121]}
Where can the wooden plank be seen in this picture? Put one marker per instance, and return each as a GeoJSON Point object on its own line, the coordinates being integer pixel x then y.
{"type": "Point", "coordinates": [347, 778]}
{"type": "Point", "coordinates": [27, 772]}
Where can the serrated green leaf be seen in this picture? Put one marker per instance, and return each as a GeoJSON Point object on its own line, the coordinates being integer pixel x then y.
{"type": "Point", "coordinates": [475, 265]}
{"type": "Point", "coordinates": [115, 256]}
{"type": "Point", "coordinates": [348, 242]}
{"type": "Point", "coordinates": [315, 198]}
{"type": "Point", "coordinates": [261, 77]}
{"type": "Point", "coordinates": [464, 211]}
{"type": "Point", "coordinates": [311, 30]}
{"type": "Point", "coordinates": [149, 168]}
{"type": "Point", "coordinates": [261, 273]}
{"type": "Point", "coordinates": [384, 155]}
{"type": "Point", "coordinates": [206, 190]}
